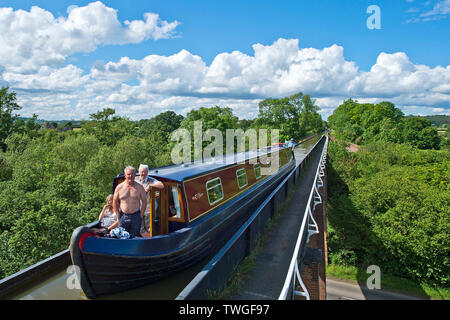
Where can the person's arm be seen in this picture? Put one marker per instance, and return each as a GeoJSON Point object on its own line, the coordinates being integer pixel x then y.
{"type": "Point", "coordinates": [143, 200]}
{"type": "Point", "coordinates": [115, 224]}
{"type": "Point", "coordinates": [116, 206]}
{"type": "Point", "coordinates": [154, 184]}
{"type": "Point", "coordinates": [116, 201]}
{"type": "Point", "coordinates": [102, 213]}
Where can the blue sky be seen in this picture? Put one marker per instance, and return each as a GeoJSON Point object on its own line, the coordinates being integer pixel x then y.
{"type": "Point", "coordinates": [68, 59]}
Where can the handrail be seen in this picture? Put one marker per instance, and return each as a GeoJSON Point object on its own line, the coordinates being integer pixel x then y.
{"type": "Point", "coordinates": [293, 266]}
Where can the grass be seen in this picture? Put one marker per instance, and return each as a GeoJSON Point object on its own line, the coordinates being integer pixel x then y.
{"type": "Point", "coordinates": [240, 275]}
{"type": "Point", "coordinates": [242, 271]}
{"type": "Point", "coordinates": [389, 282]}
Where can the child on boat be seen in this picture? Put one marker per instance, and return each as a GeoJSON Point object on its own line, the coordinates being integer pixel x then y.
{"type": "Point", "coordinates": [108, 218]}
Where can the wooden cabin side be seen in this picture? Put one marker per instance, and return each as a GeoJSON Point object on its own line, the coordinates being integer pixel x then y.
{"type": "Point", "coordinates": [206, 192]}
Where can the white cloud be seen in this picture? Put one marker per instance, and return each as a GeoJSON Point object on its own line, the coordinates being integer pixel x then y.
{"type": "Point", "coordinates": [35, 47]}
{"type": "Point", "coordinates": [394, 75]}
{"type": "Point", "coordinates": [47, 78]}
{"type": "Point", "coordinates": [183, 81]}
{"type": "Point", "coordinates": [440, 8]}
{"type": "Point", "coordinates": [35, 38]}
{"type": "Point", "coordinates": [279, 69]}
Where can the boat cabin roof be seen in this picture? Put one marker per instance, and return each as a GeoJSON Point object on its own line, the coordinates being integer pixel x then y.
{"type": "Point", "coordinates": [181, 172]}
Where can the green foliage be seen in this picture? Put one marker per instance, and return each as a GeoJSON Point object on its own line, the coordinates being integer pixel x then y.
{"type": "Point", "coordinates": [212, 118]}
{"type": "Point", "coordinates": [388, 205]}
{"type": "Point", "coordinates": [418, 132]}
{"type": "Point", "coordinates": [108, 129]}
{"type": "Point", "coordinates": [160, 127]}
{"type": "Point", "coordinates": [295, 116]}
{"type": "Point", "coordinates": [51, 182]}
{"type": "Point", "coordinates": [366, 123]}
{"type": "Point", "coordinates": [7, 106]}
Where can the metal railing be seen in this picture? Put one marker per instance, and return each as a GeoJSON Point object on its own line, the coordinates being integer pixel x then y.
{"type": "Point", "coordinates": [308, 228]}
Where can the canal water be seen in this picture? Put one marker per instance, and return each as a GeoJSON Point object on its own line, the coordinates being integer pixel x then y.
{"type": "Point", "coordinates": [302, 150]}
{"type": "Point", "coordinates": [60, 285]}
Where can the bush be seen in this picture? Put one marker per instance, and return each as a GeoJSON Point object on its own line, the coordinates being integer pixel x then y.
{"type": "Point", "coordinates": [388, 205]}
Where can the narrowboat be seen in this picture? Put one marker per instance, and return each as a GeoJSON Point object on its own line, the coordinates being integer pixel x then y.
{"type": "Point", "coordinates": [202, 205]}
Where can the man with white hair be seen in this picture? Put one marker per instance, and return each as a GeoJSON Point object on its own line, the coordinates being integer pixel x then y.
{"type": "Point", "coordinates": [147, 182]}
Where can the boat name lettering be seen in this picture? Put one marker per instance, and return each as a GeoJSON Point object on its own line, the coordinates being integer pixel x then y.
{"type": "Point", "coordinates": [197, 196]}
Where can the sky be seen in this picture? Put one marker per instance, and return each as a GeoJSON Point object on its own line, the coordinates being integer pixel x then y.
{"type": "Point", "coordinates": [69, 59]}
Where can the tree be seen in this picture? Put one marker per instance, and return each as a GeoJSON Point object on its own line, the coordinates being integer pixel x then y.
{"type": "Point", "coordinates": [310, 119]}
{"type": "Point", "coordinates": [366, 123]}
{"type": "Point", "coordinates": [108, 128]}
{"type": "Point", "coordinates": [217, 118]}
{"type": "Point", "coordinates": [8, 105]}
{"type": "Point", "coordinates": [283, 114]}
{"type": "Point", "coordinates": [160, 127]}
{"type": "Point", "coordinates": [418, 132]}
{"type": "Point", "coordinates": [295, 116]}
{"type": "Point", "coordinates": [102, 116]}
{"type": "Point", "coordinates": [212, 118]}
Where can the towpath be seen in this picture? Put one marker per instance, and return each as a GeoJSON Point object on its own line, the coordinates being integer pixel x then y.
{"type": "Point", "coordinates": [267, 277]}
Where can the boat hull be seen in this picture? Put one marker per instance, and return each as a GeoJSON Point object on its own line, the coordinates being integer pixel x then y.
{"type": "Point", "coordinates": [113, 265]}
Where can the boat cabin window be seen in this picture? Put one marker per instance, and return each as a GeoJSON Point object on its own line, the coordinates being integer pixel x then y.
{"type": "Point", "coordinates": [241, 176]}
{"type": "Point", "coordinates": [174, 203]}
{"type": "Point", "coordinates": [214, 190]}
{"type": "Point", "coordinates": [257, 169]}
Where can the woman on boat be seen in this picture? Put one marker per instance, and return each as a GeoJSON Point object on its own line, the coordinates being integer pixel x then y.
{"type": "Point", "coordinates": [108, 218]}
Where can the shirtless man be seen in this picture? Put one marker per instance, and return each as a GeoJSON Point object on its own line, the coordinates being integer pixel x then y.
{"type": "Point", "coordinates": [130, 202]}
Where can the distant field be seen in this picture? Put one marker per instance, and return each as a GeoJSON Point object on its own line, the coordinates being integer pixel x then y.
{"type": "Point", "coordinates": [443, 132]}
{"type": "Point", "coordinates": [439, 120]}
